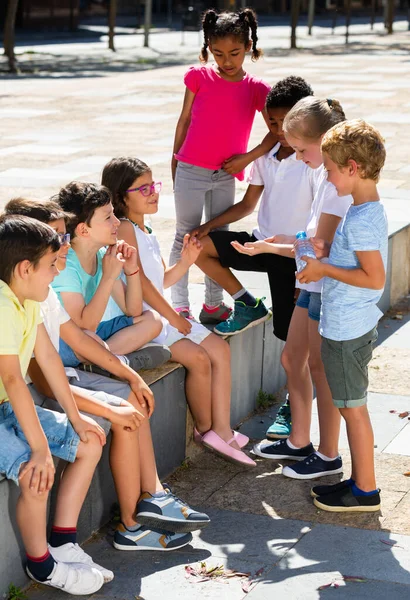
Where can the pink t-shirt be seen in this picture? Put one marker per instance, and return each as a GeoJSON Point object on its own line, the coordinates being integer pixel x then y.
{"type": "Point", "coordinates": [221, 117]}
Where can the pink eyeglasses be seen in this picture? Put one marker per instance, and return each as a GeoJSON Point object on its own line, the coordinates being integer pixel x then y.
{"type": "Point", "coordinates": [147, 190]}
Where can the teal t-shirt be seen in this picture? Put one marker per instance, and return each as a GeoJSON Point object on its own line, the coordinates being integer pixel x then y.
{"type": "Point", "coordinates": [75, 279]}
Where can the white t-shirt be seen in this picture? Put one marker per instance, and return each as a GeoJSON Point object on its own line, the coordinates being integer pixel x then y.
{"type": "Point", "coordinates": [326, 201]}
{"type": "Point", "coordinates": [287, 196]}
{"type": "Point", "coordinates": [54, 315]}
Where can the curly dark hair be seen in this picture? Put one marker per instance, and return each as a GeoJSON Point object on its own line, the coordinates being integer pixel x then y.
{"type": "Point", "coordinates": [287, 92]}
{"type": "Point", "coordinates": [81, 200]}
{"type": "Point", "coordinates": [236, 24]}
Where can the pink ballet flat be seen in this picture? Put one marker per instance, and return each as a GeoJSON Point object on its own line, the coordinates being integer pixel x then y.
{"type": "Point", "coordinates": [212, 441]}
{"type": "Point", "coordinates": [240, 438]}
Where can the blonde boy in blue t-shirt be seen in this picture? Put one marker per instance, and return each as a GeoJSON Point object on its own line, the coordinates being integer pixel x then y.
{"type": "Point", "coordinates": [354, 154]}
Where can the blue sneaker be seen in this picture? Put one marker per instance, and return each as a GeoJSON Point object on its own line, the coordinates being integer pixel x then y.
{"type": "Point", "coordinates": [282, 426]}
{"type": "Point", "coordinates": [146, 539]}
{"type": "Point", "coordinates": [166, 510]}
{"type": "Point", "coordinates": [243, 317]}
{"type": "Point", "coordinates": [313, 466]}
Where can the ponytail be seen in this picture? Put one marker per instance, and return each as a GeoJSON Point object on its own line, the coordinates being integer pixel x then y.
{"type": "Point", "coordinates": [219, 25]}
{"type": "Point", "coordinates": [311, 117]}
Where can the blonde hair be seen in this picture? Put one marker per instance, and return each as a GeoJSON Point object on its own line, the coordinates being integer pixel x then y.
{"type": "Point", "coordinates": [311, 117]}
{"type": "Point", "coordinates": [359, 141]}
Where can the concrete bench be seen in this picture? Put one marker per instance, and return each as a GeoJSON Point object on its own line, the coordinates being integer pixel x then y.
{"type": "Point", "coordinates": [255, 365]}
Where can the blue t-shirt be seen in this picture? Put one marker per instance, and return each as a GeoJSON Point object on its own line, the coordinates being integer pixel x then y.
{"type": "Point", "coordinates": [348, 312]}
{"type": "Point", "coordinates": [75, 279]}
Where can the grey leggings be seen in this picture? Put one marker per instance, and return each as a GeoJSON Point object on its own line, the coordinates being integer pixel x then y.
{"type": "Point", "coordinates": [196, 188]}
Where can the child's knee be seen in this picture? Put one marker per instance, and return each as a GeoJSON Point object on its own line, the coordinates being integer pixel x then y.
{"type": "Point", "coordinates": [90, 450]}
{"type": "Point", "coordinates": [30, 494]}
{"type": "Point", "coordinates": [201, 361]}
{"type": "Point", "coordinates": [221, 351]}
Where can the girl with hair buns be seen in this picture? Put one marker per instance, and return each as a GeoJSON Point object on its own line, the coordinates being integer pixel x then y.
{"type": "Point", "coordinates": [211, 138]}
{"type": "Point", "coordinates": [304, 127]}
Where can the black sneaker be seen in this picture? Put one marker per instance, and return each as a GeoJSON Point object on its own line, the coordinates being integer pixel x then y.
{"type": "Point", "coordinates": [281, 449]}
{"type": "Point", "coordinates": [313, 466]}
{"type": "Point", "coordinates": [345, 501]}
{"type": "Point", "coordinates": [323, 490]}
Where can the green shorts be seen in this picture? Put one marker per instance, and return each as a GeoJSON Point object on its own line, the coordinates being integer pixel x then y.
{"type": "Point", "coordinates": [346, 365]}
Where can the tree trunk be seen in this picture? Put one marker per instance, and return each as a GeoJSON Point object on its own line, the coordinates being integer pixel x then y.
{"type": "Point", "coordinates": [8, 38]}
{"type": "Point", "coordinates": [111, 24]}
{"type": "Point", "coordinates": [147, 21]}
{"type": "Point", "coordinates": [294, 22]}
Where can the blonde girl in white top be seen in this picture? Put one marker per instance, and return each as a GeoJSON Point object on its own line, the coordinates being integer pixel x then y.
{"type": "Point", "coordinates": [304, 126]}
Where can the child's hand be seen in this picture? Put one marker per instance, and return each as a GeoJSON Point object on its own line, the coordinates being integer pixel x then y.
{"type": "Point", "coordinates": [112, 263]}
{"type": "Point", "coordinates": [321, 247]}
{"type": "Point", "coordinates": [85, 425]}
{"type": "Point", "coordinates": [40, 469]}
{"type": "Point", "coordinates": [130, 256]}
{"type": "Point", "coordinates": [235, 164]}
{"type": "Point", "coordinates": [191, 249]}
{"type": "Point", "coordinates": [180, 323]}
{"type": "Point", "coordinates": [314, 270]}
{"type": "Point", "coordinates": [200, 232]}
{"type": "Point", "coordinates": [281, 238]}
{"type": "Point", "coordinates": [143, 393]}
{"type": "Point", "coordinates": [251, 248]}
{"type": "Point", "coordinates": [126, 415]}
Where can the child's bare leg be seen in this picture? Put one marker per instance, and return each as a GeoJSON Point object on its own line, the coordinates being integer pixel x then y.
{"type": "Point", "coordinates": [294, 360]}
{"type": "Point", "coordinates": [31, 514]}
{"type": "Point", "coordinates": [208, 261]}
{"type": "Point", "coordinates": [146, 327]}
{"type": "Point", "coordinates": [197, 382]}
{"type": "Point", "coordinates": [361, 443]}
{"type": "Point", "coordinates": [95, 337]}
{"type": "Point", "coordinates": [219, 353]}
{"type": "Point", "coordinates": [329, 415]}
{"type": "Point", "coordinates": [133, 466]}
{"type": "Point", "coordinates": [75, 482]}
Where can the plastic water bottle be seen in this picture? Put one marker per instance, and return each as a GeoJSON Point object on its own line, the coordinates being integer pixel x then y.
{"type": "Point", "coordinates": [303, 247]}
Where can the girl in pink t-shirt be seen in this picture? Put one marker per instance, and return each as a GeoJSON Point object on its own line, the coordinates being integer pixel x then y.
{"type": "Point", "coordinates": [211, 138]}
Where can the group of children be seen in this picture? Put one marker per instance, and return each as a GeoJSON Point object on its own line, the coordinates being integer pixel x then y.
{"type": "Point", "coordinates": [82, 298]}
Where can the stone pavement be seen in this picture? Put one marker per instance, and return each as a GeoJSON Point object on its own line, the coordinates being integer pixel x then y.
{"type": "Point", "coordinates": [81, 106]}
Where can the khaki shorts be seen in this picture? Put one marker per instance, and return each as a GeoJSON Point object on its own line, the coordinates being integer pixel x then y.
{"type": "Point", "coordinates": [346, 364]}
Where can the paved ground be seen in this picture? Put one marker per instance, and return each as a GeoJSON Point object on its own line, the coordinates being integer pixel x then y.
{"type": "Point", "coordinates": [78, 107]}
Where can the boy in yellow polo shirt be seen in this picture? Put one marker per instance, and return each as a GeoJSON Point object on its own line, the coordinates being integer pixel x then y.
{"type": "Point", "coordinates": [30, 435]}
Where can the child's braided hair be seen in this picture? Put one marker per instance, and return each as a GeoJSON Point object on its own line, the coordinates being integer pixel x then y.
{"type": "Point", "coordinates": [219, 25]}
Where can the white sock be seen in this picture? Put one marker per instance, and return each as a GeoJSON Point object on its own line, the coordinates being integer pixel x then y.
{"type": "Point", "coordinates": [291, 445]}
{"type": "Point", "coordinates": [325, 458]}
{"type": "Point", "coordinates": [241, 292]}
{"type": "Point", "coordinates": [123, 359]}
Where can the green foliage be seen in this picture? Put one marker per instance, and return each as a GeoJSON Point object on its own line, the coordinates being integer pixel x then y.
{"type": "Point", "coordinates": [15, 593]}
{"type": "Point", "coordinates": [264, 400]}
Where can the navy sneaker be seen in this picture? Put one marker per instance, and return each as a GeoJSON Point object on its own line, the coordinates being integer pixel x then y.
{"type": "Point", "coordinates": [313, 466]}
{"type": "Point", "coordinates": [343, 500]}
{"type": "Point", "coordinates": [143, 538]}
{"type": "Point", "coordinates": [322, 490]}
{"type": "Point", "coordinates": [280, 450]}
{"type": "Point", "coordinates": [170, 512]}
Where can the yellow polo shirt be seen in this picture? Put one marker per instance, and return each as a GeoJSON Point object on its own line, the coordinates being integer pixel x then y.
{"type": "Point", "coordinates": [18, 329]}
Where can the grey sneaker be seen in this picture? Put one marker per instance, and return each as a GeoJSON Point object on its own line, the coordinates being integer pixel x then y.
{"type": "Point", "coordinates": [149, 356]}
{"type": "Point", "coordinates": [216, 316]}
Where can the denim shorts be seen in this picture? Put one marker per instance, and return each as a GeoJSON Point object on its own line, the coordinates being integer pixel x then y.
{"type": "Point", "coordinates": [104, 330]}
{"type": "Point", "coordinates": [14, 448]}
{"type": "Point", "coordinates": [312, 301]}
{"type": "Point", "coordinates": [346, 367]}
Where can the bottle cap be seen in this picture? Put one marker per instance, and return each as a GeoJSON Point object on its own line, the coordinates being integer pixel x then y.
{"type": "Point", "coordinates": [301, 235]}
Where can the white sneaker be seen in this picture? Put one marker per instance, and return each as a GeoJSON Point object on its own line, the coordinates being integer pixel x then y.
{"type": "Point", "coordinates": [73, 553]}
{"type": "Point", "coordinates": [76, 579]}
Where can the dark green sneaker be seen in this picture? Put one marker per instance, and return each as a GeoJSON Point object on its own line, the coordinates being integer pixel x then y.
{"type": "Point", "coordinates": [281, 427]}
{"type": "Point", "coordinates": [243, 318]}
